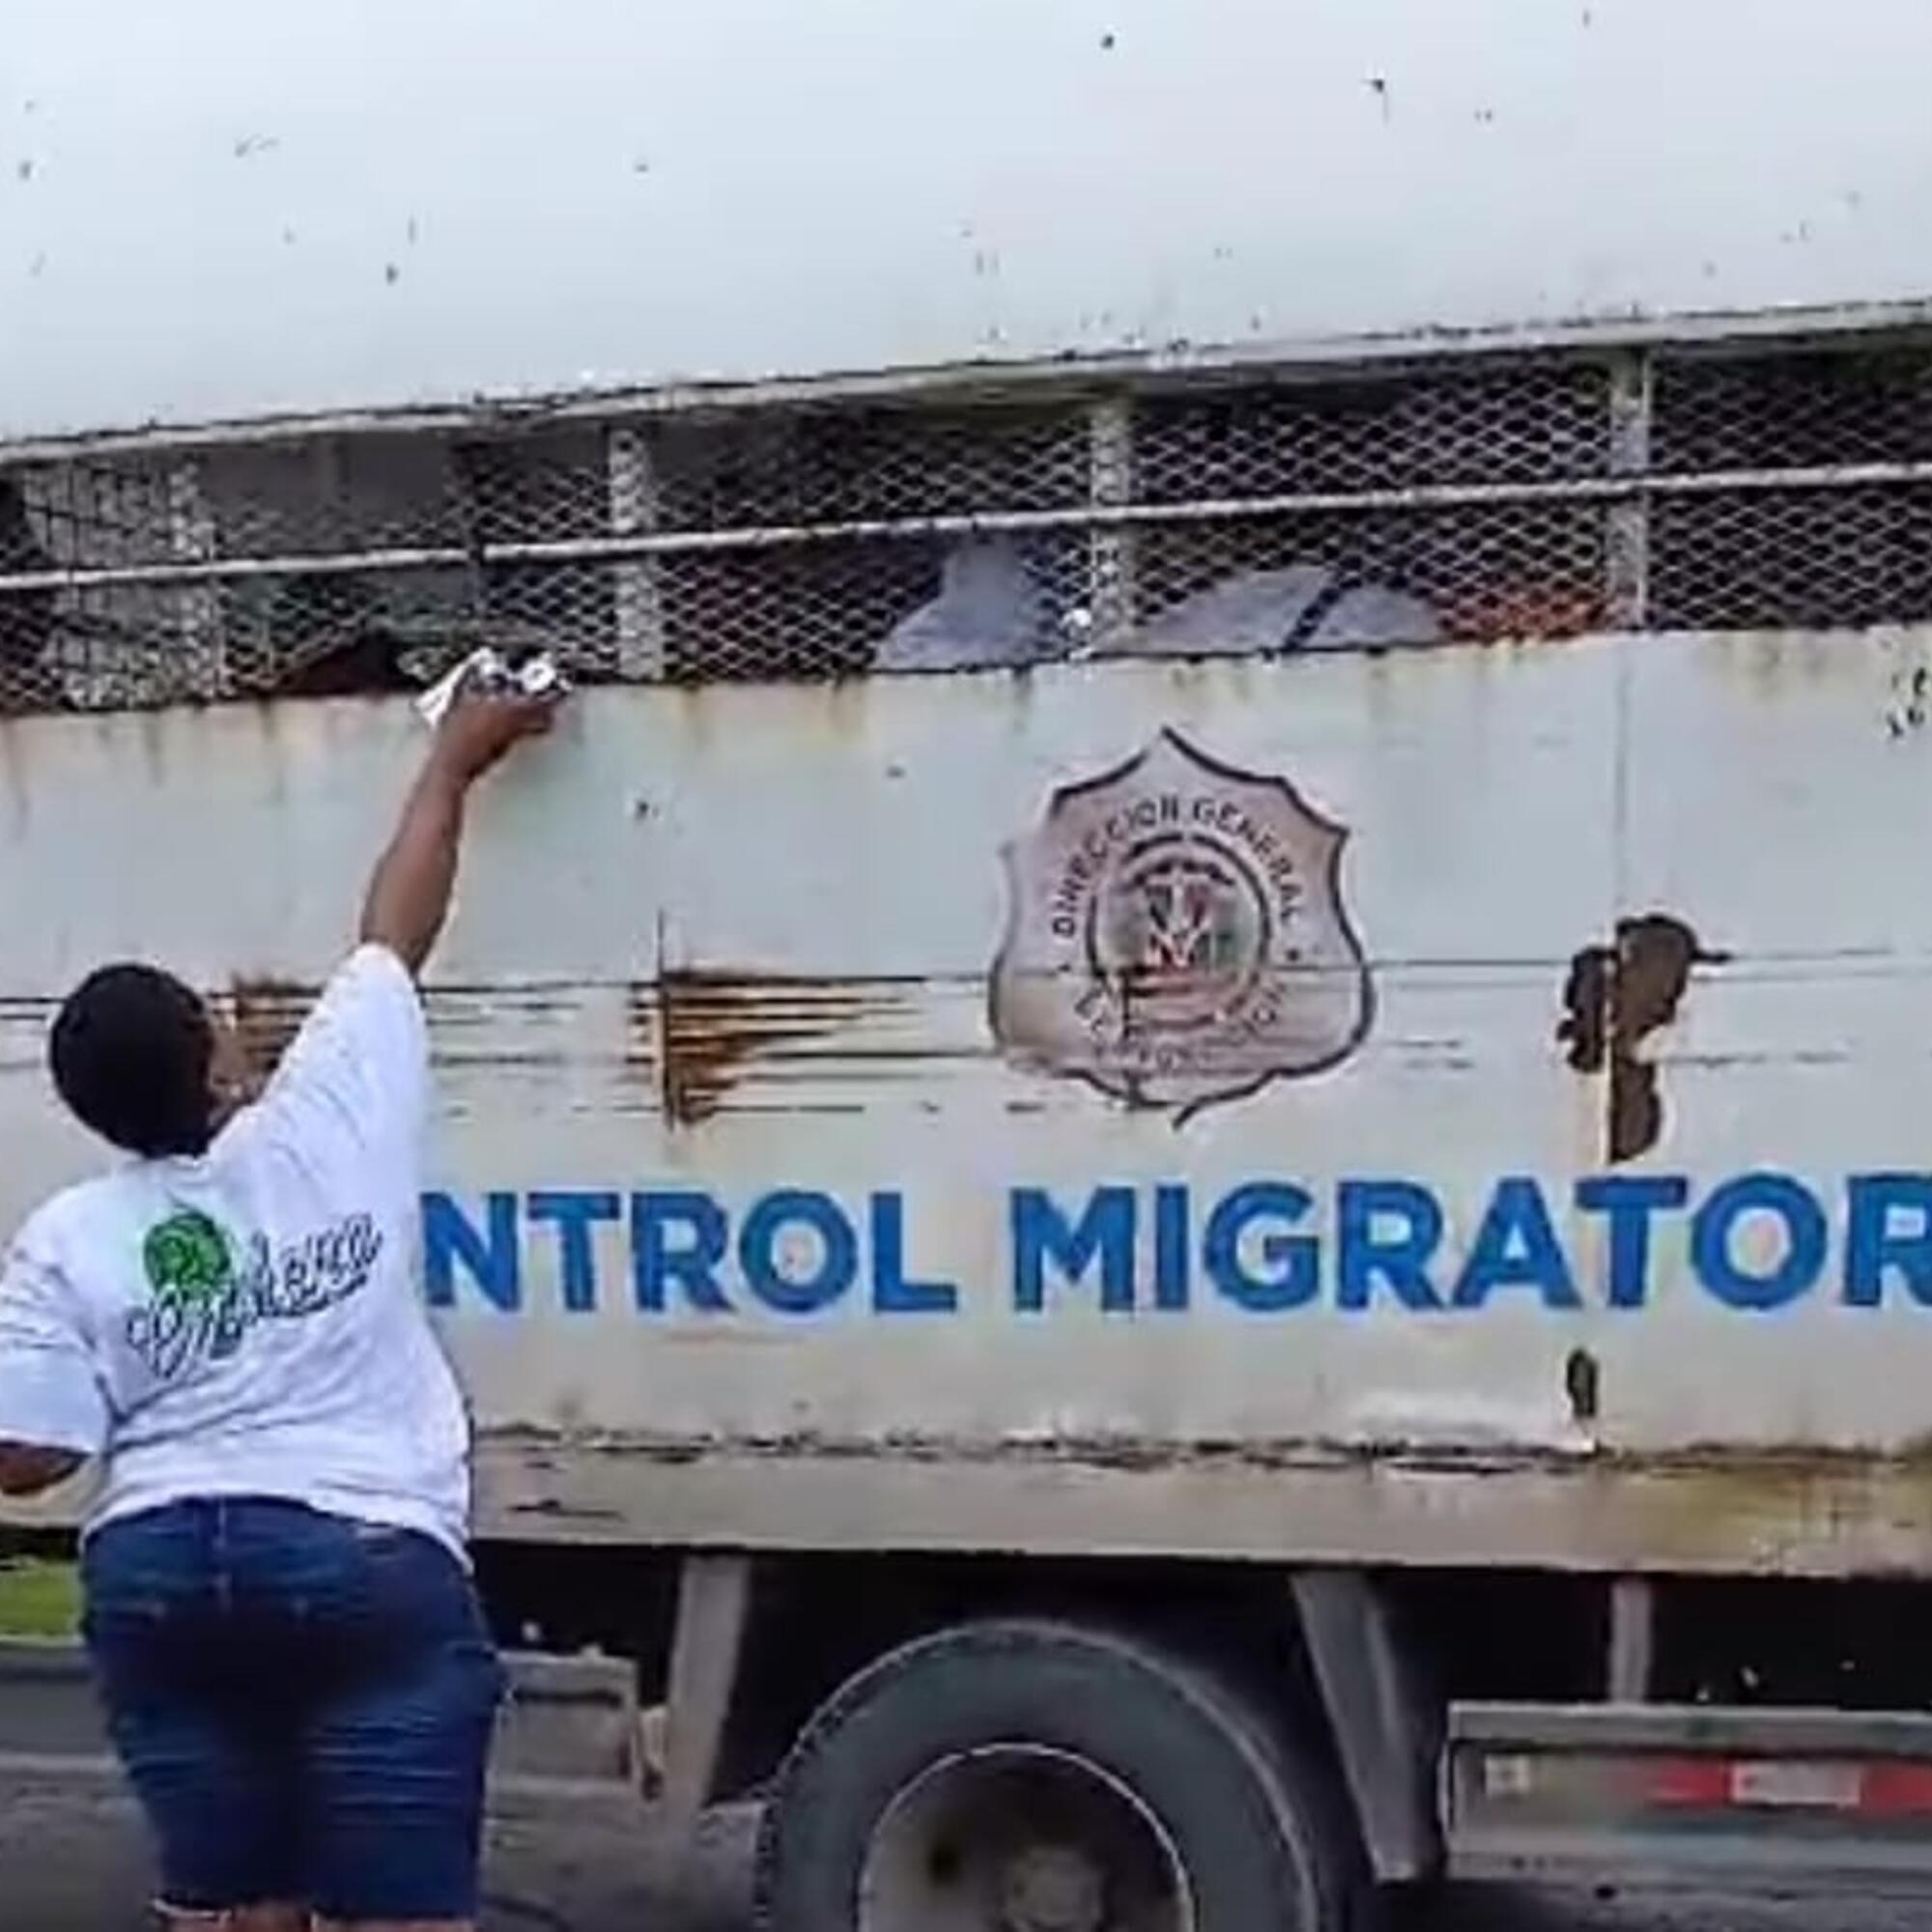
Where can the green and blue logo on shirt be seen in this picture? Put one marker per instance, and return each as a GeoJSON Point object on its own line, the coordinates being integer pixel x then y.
{"type": "Point", "coordinates": [188, 1260]}
{"type": "Point", "coordinates": [206, 1290]}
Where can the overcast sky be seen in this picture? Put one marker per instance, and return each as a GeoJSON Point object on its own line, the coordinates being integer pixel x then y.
{"type": "Point", "coordinates": [213, 208]}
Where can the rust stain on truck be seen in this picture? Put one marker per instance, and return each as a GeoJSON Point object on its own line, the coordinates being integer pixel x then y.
{"type": "Point", "coordinates": [268, 1014]}
{"type": "Point", "coordinates": [710, 1025]}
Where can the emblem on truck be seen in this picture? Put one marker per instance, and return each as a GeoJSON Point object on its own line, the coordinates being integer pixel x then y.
{"type": "Point", "coordinates": [1175, 934]}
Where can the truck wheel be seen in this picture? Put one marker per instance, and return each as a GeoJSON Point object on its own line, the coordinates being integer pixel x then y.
{"type": "Point", "coordinates": [1041, 1778]}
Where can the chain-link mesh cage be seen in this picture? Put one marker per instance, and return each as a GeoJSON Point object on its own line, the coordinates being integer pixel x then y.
{"type": "Point", "coordinates": [1808, 559]}
{"type": "Point", "coordinates": [1454, 498]}
{"type": "Point", "coordinates": [1472, 571]}
{"type": "Point", "coordinates": [826, 467]}
{"type": "Point", "coordinates": [1499, 423]}
{"type": "Point", "coordinates": [1792, 411]}
{"type": "Point", "coordinates": [1825, 517]}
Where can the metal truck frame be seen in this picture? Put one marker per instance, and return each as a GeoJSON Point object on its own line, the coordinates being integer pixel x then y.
{"type": "Point", "coordinates": [1276, 1645]}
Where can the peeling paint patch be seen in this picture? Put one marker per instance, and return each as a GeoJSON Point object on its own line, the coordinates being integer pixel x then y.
{"type": "Point", "coordinates": [1583, 1385]}
{"type": "Point", "coordinates": [1585, 1028]}
{"type": "Point", "coordinates": [1614, 998]}
{"type": "Point", "coordinates": [1774, 1511]}
{"type": "Point", "coordinates": [1912, 693]}
{"type": "Point", "coordinates": [1775, 1463]}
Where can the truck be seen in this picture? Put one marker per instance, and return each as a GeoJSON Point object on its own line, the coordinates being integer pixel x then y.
{"type": "Point", "coordinates": [1181, 1161]}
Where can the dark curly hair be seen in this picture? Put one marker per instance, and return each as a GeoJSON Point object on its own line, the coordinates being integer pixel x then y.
{"type": "Point", "coordinates": [130, 1053]}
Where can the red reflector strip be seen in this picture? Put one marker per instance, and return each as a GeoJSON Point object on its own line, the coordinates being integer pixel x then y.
{"type": "Point", "coordinates": [1884, 1788]}
{"type": "Point", "coordinates": [1692, 1784]}
{"type": "Point", "coordinates": [1897, 1790]}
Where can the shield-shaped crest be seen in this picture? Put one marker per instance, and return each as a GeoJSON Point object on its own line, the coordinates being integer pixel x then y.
{"type": "Point", "coordinates": [1175, 934]}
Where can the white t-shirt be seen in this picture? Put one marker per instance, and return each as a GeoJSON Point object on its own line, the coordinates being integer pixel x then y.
{"type": "Point", "coordinates": [248, 1323]}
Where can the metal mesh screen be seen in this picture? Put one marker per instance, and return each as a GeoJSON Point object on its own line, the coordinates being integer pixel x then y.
{"type": "Point", "coordinates": [1453, 499]}
{"type": "Point", "coordinates": [1471, 572]}
{"type": "Point", "coordinates": [1794, 411]}
{"type": "Point", "coordinates": [1802, 502]}
{"type": "Point", "coordinates": [1530, 423]}
{"type": "Point", "coordinates": [1807, 560]}
{"type": "Point", "coordinates": [821, 467]}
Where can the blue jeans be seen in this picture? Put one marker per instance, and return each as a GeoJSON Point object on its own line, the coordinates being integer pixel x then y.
{"type": "Point", "coordinates": [303, 1705]}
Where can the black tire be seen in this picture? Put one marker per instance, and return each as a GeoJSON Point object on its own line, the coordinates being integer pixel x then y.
{"type": "Point", "coordinates": [1242, 1817]}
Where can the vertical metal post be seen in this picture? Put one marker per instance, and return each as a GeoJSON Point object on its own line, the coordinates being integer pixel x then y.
{"type": "Point", "coordinates": [1386, 1731]}
{"type": "Point", "coordinates": [1633, 1638]}
{"type": "Point", "coordinates": [641, 641]}
{"type": "Point", "coordinates": [713, 1601]}
{"type": "Point", "coordinates": [1627, 591]}
{"type": "Point", "coordinates": [191, 539]}
{"type": "Point", "coordinates": [1110, 556]}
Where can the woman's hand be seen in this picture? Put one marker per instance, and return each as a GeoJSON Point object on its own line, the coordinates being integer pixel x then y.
{"type": "Point", "coordinates": [482, 727]}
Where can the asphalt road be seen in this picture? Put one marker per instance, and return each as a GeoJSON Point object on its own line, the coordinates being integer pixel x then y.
{"type": "Point", "coordinates": [71, 1860]}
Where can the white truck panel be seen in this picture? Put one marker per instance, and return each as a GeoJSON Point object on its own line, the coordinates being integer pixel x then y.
{"type": "Point", "coordinates": [212, 209]}
{"type": "Point", "coordinates": [735, 941]}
